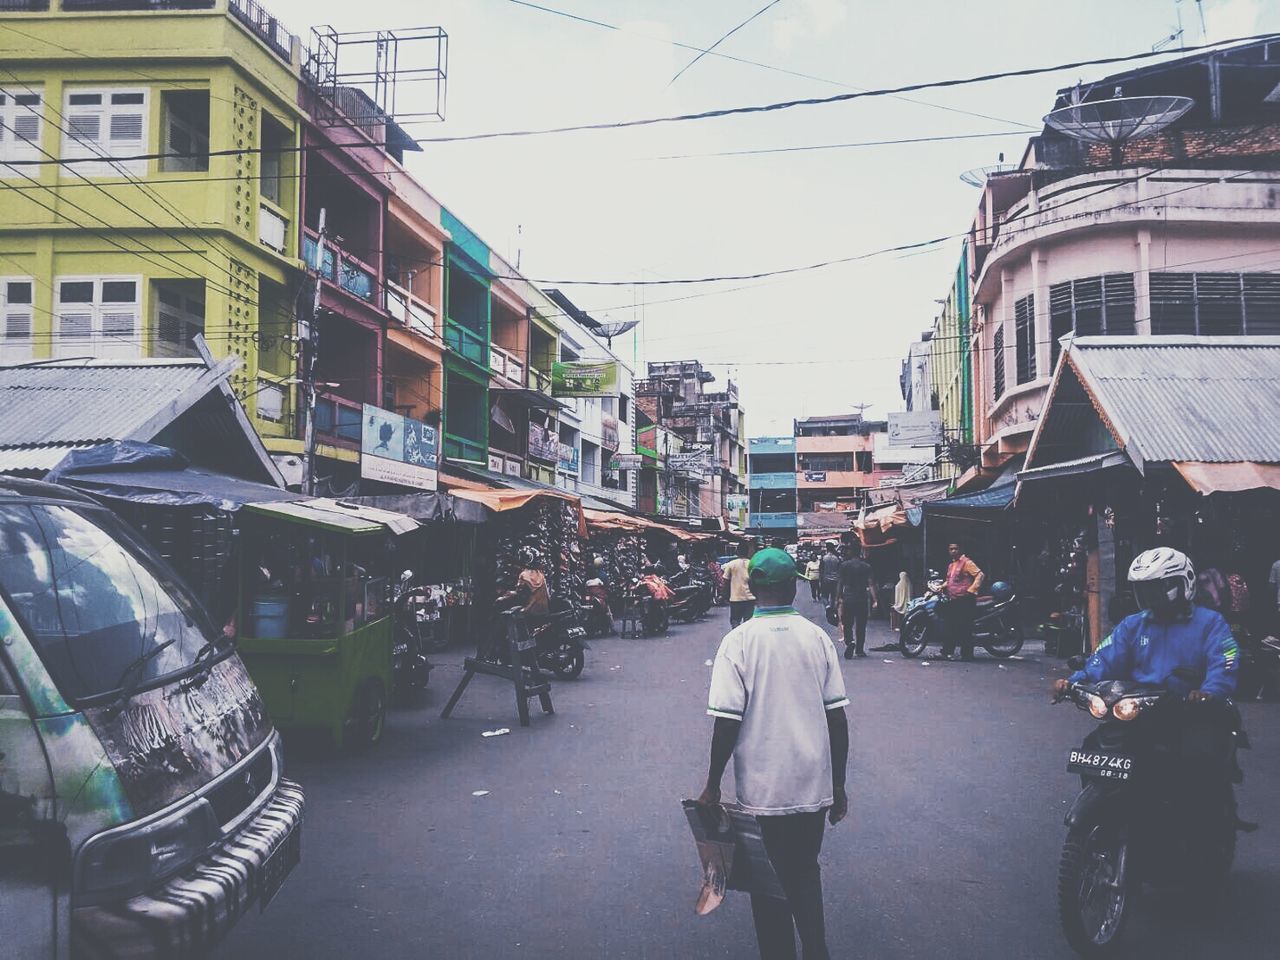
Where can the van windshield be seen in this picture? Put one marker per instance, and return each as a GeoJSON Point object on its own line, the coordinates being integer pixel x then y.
{"type": "Point", "coordinates": [93, 605]}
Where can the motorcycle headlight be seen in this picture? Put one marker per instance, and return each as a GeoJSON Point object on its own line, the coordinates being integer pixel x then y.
{"type": "Point", "coordinates": [1097, 706]}
{"type": "Point", "coordinates": [128, 860]}
{"type": "Point", "coordinates": [1127, 709]}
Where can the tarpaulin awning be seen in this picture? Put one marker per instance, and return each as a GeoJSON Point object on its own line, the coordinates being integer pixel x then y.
{"type": "Point", "coordinates": [426, 507]}
{"type": "Point", "coordinates": [501, 501]}
{"type": "Point", "coordinates": [1074, 468]}
{"type": "Point", "coordinates": [141, 472]}
{"type": "Point", "coordinates": [1232, 477]}
{"type": "Point", "coordinates": [339, 515]}
{"type": "Point", "coordinates": [534, 399]}
{"type": "Point", "coordinates": [610, 520]}
{"type": "Point", "coordinates": [984, 505]}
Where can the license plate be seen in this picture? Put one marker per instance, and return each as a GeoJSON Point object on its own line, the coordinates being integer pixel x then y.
{"type": "Point", "coordinates": [277, 866]}
{"type": "Point", "coordinates": [1106, 766]}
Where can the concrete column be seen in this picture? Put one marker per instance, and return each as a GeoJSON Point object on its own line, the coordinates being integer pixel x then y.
{"type": "Point", "coordinates": [1142, 284]}
{"type": "Point", "coordinates": [1040, 287]}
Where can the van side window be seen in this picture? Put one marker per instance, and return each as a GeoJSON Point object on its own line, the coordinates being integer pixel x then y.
{"type": "Point", "coordinates": [7, 686]}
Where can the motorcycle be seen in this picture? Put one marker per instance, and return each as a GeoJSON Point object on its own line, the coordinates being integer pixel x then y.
{"type": "Point", "coordinates": [410, 668]}
{"type": "Point", "coordinates": [995, 624]}
{"type": "Point", "coordinates": [561, 641]}
{"type": "Point", "coordinates": [693, 597]}
{"type": "Point", "coordinates": [595, 613]}
{"type": "Point", "coordinates": [655, 615]}
{"type": "Point", "coordinates": [1132, 821]}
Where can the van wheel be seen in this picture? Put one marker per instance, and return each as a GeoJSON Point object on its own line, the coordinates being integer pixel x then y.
{"type": "Point", "coordinates": [368, 717]}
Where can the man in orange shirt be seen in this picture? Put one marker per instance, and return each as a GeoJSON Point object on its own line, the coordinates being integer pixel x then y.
{"type": "Point", "coordinates": [964, 579]}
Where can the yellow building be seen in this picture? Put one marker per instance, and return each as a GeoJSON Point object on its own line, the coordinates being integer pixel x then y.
{"type": "Point", "coordinates": [147, 190]}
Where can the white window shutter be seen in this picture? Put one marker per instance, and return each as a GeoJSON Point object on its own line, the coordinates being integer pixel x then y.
{"type": "Point", "coordinates": [75, 333]}
{"type": "Point", "coordinates": [26, 125]}
{"type": "Point", "coordinates": [16, 344]}
{"type": "Point", "coordinates": [127, 128]}
{"type": "Point", "coordinates": [84, 128]}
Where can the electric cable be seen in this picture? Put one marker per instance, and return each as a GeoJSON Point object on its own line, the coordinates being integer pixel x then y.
{"type": "Point", "coordinates": [702, 53]}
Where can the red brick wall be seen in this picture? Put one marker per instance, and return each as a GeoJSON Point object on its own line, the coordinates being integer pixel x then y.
{"type": "Point", "coordinates": [1258, 142]}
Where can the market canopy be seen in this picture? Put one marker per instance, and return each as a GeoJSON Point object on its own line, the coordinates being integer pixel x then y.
{"type": "Point", "coordinates": [501, 501]}
{"type": "Point", "coordinates": [339, 515]}
{"type": "Point", "coordinates": [611, 520]}
{"type": "Point", "coordinates": [1211, 404]}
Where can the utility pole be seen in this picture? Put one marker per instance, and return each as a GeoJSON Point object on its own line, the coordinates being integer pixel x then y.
{"type": "Point", "coordinates": [310, 339]}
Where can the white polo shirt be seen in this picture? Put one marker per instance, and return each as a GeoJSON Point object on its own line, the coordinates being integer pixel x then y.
{"type": "Point", "coordinates": [779, 674]}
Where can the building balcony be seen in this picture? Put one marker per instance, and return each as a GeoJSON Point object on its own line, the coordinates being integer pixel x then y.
{"type": "Point", "coordinates": [340, 268]}
{"type": "Point", "coordinates": [506, 366]}
{"type": "Point", "coordinates": [249, 14]}
{"type": "Point", "coordinates": [772, 481]}
{"type": "Point", "coordinates": [539, 381]}
{"type": "Point", "coordinates": [338, 420]}
{"type": "Point", "coordinates": [417, 315]}
{"type": "Point", "coordinates": [832, 479]}
{"type": "Point", "coordinates": [771, 521]}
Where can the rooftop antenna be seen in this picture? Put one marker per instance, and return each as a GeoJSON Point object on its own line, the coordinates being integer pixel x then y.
{"type": "Point", "coordinates": [978, 176]}
{"type": "Point", "coordinates": [1116, 120]}
{"type": "Point", "coordinates": [1204, 31]}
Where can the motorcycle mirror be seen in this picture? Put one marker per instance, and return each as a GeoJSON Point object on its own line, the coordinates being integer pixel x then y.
{"type": "Point", "coordinates": [1076, 662]}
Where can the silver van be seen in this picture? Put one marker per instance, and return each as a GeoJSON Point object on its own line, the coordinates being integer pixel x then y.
{"type": "Point", "coordinates": [143, 806]}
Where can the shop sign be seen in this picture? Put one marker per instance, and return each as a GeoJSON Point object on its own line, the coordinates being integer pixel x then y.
{"type": "Point", "coordinates": [608, 431]}
{"type": "Point", "coordinates": [495, 463]}
{"type": "Point", "coordinates": [544, 444]}
{"type": "Point", "coordinates": [395, 449]}
{"type": "Point", "coordinates": [584, 378]}
{"type": "Point", "coordinates": [626, 461]}
{"type": "Point", "coordinates": [815, 476]}
{"type": "Point", "coordinates": [735, 502]}
{"type": "Point", "coordinates": [915, 428]}
{"type": "Point", "coordinates": [513, 467]}
{"type": "Point", "coordinates": [568, 462]}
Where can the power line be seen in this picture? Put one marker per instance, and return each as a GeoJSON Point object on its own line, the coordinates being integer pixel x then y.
{"type": "Point", "coordinates": [687, 117]}
{"type": "Point", "coordinates": [702, 53]}
{"type": "Point", "coordinates": [841, 146]}
{"type": "Point", "coordinates": [753, 63]}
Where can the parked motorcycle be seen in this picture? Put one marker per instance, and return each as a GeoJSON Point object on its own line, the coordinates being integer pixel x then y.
{"type": "Point", "coordinates": [410, 668]}
{"type": "Point", "coordinates": [995, 624]}
{"type": "Point", "coordinates": [561, 641]}
{"type": "Point", "coordinates": [1134, 820]}
{"type": "Point", "coordinates": [655, 615]}
{"type": "Point", "coordinates": [596, 616]}
{"type": "Point", "coordinates": [693, 597]}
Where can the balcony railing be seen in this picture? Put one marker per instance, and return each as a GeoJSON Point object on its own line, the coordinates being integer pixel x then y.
{"type": "Point", "coordinates": [23, 6]}
{"type": "Point", "coordinates": [467, 342]}
{"type": "Point", "coordinates": [336, 417]}
{"type": "Point", "coordinates": [506, 366]}
{"type": "Point", "coordinates": [266, 27]}
{"type": "Point", "coordinates": [415, 314]}
{"type": "Point", "coordinates": [273, 229]}
{"type": "Point", "coordinates": [540, 381]}
{"type": "Point", "coordinates": [341, 268]}
{"type": "Point", "coordinates": [77, 5]}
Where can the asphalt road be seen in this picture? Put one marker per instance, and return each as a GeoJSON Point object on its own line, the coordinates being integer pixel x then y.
{"type": "Point", "coordinates": [580, 848]}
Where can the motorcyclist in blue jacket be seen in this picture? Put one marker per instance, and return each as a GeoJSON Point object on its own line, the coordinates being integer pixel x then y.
{"type": "Point", "coordinates": [1185, 648]}
{"type": "Point", "coordinates": [1170, 638]}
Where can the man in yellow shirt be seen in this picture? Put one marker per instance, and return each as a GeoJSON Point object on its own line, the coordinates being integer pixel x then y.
{"type": "Point", "coordinates": [742, 602]}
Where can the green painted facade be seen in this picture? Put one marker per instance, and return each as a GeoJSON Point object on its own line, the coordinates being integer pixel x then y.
{"type": "Point", "coordinates": [158, 221]}
{"type": "Point", "coordinates": [950, 364]}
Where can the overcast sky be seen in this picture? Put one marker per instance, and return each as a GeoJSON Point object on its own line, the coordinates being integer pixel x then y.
{"type": "Point", "coordinates": [602, 205]}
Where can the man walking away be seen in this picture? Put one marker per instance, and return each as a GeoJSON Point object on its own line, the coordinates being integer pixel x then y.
{"type": "Point", "coordinates": [829, 573]}
{"type": "Point", "coordinates": [963, 582]}
{"type": "Point", "coordinates": [857, 593]}
{"type": "Point", "coordinates": [741, 601]}
{"type": "Point", "coordinates": [778, 698]}
{"type": "Point", "coordinates": [811, 571]}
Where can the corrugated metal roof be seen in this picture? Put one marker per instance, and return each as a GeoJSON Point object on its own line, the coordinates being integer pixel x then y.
{"type": "Point", "coordinates": [59, 406]}
{"type": "Point", "coordinates": [1214, 399]}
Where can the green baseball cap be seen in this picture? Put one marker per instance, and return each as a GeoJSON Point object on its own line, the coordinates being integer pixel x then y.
{"type": "Point", "coordinates": [771, 566]}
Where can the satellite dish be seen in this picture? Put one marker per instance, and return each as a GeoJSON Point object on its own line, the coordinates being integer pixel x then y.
{"type": "Point", "coordinates": [1116, 121]}
{"type": "Point", "coordinates": [977, 177]}
{"type": "Point", "coordinates": [613, 328]}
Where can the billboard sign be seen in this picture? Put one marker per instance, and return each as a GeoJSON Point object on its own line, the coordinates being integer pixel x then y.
{"type": "Point", "coordinates": [395, 449]}
{"type": "Point", "coordinates": [609, 431]}
{"type": "Point", "coordinates": [584, 378]}
{"type": "Point", "coordinates": [626, 461]}
{"type": "Point", "coordinates": [815, 476]}
{"type": "Point", "coordinates": [568, 460]}
{"type": "Point", "coordinates": [915, 428]}
{"type": "Point", "coordinates": [544, 444]}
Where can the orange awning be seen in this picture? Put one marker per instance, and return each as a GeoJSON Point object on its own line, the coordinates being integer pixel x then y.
{"type": "Point", "coordinates": [500, 501]}
{"type": "Point", "coordinates": [609, 520]}
{"type": "Point", "coordinates": [1233, 477]}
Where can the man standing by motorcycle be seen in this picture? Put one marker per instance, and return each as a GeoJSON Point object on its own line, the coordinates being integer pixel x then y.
{"type": "Point", "coordinates": [964, 579]}
{"type": "Point", "coordinates": [1171, 642]}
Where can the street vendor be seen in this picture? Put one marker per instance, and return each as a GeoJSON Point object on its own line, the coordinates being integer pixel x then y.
{"type": "Point", "coordinates": [531, 586]}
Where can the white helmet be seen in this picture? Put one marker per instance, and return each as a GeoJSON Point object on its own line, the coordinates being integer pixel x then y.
{"type": "Point", "coordinates": [1162, 578]}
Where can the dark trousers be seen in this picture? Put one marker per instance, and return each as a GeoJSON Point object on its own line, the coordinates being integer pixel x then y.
{"type": "Point", "coordinates": [958, 614]}
{"type": "Point", "coordinates": [855, 622]}
{"type": "Point", "coordinates": [793, 843]}
{"type": "Point", "coordinates": [740, 610]}
{"type": "Point", "coordinates": [815, 588]}
{"type": "Point", "coordinates": [830, 589]}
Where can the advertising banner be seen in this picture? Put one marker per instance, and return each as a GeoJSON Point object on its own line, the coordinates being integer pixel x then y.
{"type": "Point", "coordinates": [915, 428]}
{"type": "Point", "coordinates": [626, 461]}
{"type": "Point", "coordinates": [815, 476]}
{"type": "Point", "coordinates": [584, 378]}
{"type": "Point", "coordinates": [608, 431]}
{"type": "Point", "coordinates": [395, 449]}
{"type": "Point", "coordinates": [568, 462]}
{"type": "Point", "coordinates": [495, 463]}
{"type": "Point", "coordinates": [544, 444]}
